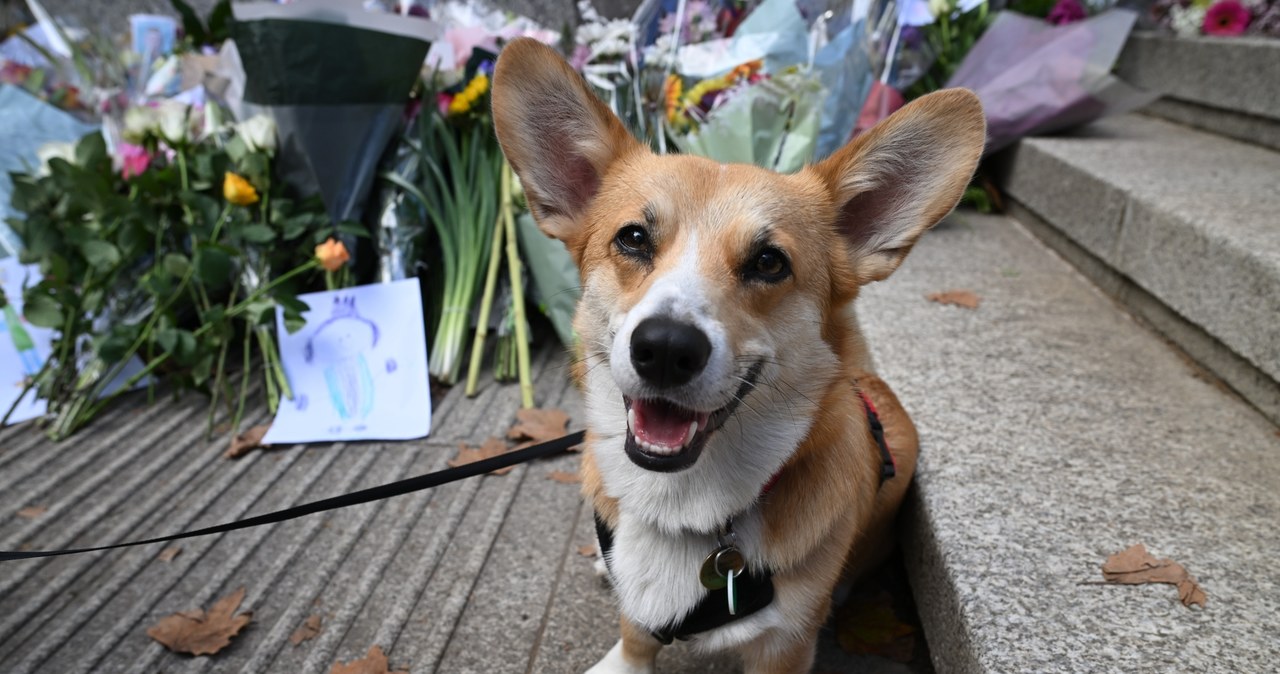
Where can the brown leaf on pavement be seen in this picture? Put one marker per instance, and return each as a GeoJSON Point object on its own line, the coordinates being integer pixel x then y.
{"type": "Point", "coordinates": [168, 554]}
{"type": "Point", "coordinates": [588, 550]}
{"type": "Point", "coordinates": [564, 477]}
{"type": "Point", "coordinates": [961, 298]}
{"type": "Point", "coordinates": [200, 633]}
{"type": "Point", "coordinates": [492, 447]}
{"type": "Point", "coordinates": [539, 425]}
{"type": "Point", "coordinates": [871, 627]}
{"type": "Point", "coordinates": [246, 442]}
{"type": "Point", "coordinates": [374, 662]}
{"type": "Point", "coordinates": [307, 631]}
{"type": "Point", "coordinates": [1136, 566]}
{"type": "Point", "coordinates": [32, 512]}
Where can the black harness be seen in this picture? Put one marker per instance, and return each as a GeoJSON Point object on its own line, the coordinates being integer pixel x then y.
{"type": "Point", "coordinates": [755, 587]}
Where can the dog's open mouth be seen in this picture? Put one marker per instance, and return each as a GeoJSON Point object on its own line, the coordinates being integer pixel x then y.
{"type": "Point", "coordinates": [664, 437]}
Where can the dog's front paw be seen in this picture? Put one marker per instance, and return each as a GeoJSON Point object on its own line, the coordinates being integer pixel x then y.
{"type": "Point", "coordinates": [615, 663]}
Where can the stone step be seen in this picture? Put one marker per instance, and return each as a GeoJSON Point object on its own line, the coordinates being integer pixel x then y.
{"type": "Point", "coordinates": [1055, 430]}
{"type": "Point", "coordinates": [1230, 86]}
{"type": "Point", "coordinates": [1179, 224]}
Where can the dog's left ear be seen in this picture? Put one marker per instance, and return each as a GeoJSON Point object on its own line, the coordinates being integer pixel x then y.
{"type": "Point", "coordinates": [903, 176]}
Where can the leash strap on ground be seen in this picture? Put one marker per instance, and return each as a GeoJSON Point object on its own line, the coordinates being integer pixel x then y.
{"type": "Point", "coordinates": [538, 451]}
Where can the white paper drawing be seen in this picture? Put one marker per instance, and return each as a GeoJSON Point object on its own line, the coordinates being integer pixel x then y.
{"type": "Point", "coordinates": [358, 369]}
{"type": "Point", "coordinates": [23, 347]}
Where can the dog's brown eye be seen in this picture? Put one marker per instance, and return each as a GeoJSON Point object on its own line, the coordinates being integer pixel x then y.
{"type": "Point", "coordinates": [633, 240]}
{"type": "Point", "coordinates": [769, 265]}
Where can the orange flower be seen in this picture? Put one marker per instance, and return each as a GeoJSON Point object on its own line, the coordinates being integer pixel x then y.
{"type": "Point", "coordinates": [332, 255]}
{"type": "Point", "coordinates": [238, 191]}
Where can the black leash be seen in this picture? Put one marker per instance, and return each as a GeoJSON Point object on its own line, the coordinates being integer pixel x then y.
{"type": "Point", "coordinates": [378, 493]}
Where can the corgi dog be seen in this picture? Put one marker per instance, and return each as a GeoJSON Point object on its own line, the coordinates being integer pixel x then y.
{"type": "Point", "coordinates": [742, 457]}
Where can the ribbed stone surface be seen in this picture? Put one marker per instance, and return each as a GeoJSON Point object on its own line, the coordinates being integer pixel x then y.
{"type": "Point", "coordinates": [1055, 431]}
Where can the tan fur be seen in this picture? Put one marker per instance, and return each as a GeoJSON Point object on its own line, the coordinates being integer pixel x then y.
{"type": "Point", "coordinates": [844, 222]}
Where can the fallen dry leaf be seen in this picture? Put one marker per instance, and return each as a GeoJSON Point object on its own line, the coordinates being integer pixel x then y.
{"type": "Point", "coordinates": [32, 512]}
{"type": "Point", "coordinates": [246, 442]}
{"type": "Point", "coordinates": [564, 477]}
{"type": "Point", "coordinates": [200, 633]}
{"type": "Point", "coordinates": [871, 627]}
{"type": "Point", "coordinates": [374, 662]}
{"type": "Point", "coordinates": [587, 550]}
{"type": "Point", "coordinates": [961, 298]}
{"type": "Point", "coordinates": [492, 447]}
{"type": "Point", "coordinates": [539, 425]}
{"type": "Point", "coordinates": [167, 554]}
{"type": "Point", "coordinates": [1136, 566]}
{"type": "Point", "coordinates": [307, 631]}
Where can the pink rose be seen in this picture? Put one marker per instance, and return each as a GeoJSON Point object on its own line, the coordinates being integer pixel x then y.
{"type": "Point", "coordinates": [134, 160]}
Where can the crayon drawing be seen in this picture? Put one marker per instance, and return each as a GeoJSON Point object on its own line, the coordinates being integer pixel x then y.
{"type": "Point", "coordinates": [358, 369]}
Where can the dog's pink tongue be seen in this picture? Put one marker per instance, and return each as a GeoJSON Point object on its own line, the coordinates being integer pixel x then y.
{"type": "Point", "coordinates": [661, 423]}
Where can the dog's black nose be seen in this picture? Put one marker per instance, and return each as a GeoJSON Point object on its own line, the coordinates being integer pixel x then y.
{"type": "Point", "coordinates": [667, 353]}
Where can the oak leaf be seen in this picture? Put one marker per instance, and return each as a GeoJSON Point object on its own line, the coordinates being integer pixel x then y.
{"type": "Point", "coordinates": [1136, 566]}
{"type": "Point", "coordinates": [564, 477]}
{"type": "Point", "coordinates": [961, 298]}
{"type": "Point", "coordinates": [247, 442]}
{"type": "Point", "coordinates": [308, 631]}
{"type": "Point", "coordinates": [539, 425]}
{"type": "Point", "coordinates": [200, 633]}
{"type": "Point", "coordinates": [32, 512]}
{"type": "Point", "coordinates": [492, 447]}
{"type": "Point", "coordinates": [168, 554]}
{"type": "Point", "coordinates": [374, 662]}
{"type": "Point", "coordinates": [872, 627]}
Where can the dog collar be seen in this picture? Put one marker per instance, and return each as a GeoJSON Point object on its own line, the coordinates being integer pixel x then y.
{"type": "Point", "coordinates": [754, 586]}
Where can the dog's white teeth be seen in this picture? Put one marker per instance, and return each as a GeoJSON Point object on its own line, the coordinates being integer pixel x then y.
{"type": "Point", "coordinates": [652, 448]}
{"type": "Point", "coordinates": [631, 420]}
{"type": "Point", "coordinates": [688, 437]}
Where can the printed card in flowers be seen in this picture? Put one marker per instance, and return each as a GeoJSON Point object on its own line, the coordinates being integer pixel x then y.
{"type": "Point", "coordinates": [358, 370]}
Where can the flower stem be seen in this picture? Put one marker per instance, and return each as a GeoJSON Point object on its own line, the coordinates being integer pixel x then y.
{"type": "Point", "coordinates": [486, 305]}
{"type": "Point", "coordinates": [517, 290]}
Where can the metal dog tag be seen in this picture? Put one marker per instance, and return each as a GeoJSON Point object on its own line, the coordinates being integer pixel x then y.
{"type": "Point", "coordinates": [719, 565]}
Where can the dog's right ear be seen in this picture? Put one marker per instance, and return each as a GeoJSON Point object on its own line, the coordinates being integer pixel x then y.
{"type": "Point", "coordinates": [558, 136]}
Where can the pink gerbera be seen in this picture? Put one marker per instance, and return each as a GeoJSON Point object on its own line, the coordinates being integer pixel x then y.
{"type": "Point", "coordinates": [1226, 17]}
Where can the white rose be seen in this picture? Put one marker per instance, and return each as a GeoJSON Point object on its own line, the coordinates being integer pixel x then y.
{"type": "Point", "coordinates": [55, 150]}
{"type": "Point", "coordinates": [259, 133]}
{"type": "Point", "coordinates": [172, 122]}
{"type": "Point", "coordinates": [139, 122]}
{"type": "Point", "coordinates": [939, 7]}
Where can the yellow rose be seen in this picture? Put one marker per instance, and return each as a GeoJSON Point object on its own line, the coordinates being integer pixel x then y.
{"type": "Point", "coordinates": [238, 191]}
{"type": "Point", "coordinates": [332, 255]}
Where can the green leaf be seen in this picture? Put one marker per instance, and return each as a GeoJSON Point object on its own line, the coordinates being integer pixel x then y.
{"type": "Point", "coordinates": [257, 310]}
{"type": "Point", "coordinates": [91, 150]}
{"type": "Point", "coordinates": [213, 266]}
{"type": "Point", "coordinates": [181, 344]}
{"type": "Point", "coordinates": [114, 346]}
{"type": "Point", "coordinates": [177, 264]}
{"type": "Point", "coordinates": [202, 371]}
{"type": "Point", "coordinates": [294, 322]}
{"type": "Point", "coordinates": [257, 233]}
{"type": "Point", "coordinates": [220, 20]}
{"type": "Point", "coordinates": [295, 226]}
{"type": "Point", "coordinates": [237, 149]}
{"type": "Point", "coordinates": [91, 301]}
{"type": "Point", "coordinates": [100, 255]}
{"type": "Point", "coordinates": [43, 311]}
{"type": "Point", "coordinates": [191, 24]}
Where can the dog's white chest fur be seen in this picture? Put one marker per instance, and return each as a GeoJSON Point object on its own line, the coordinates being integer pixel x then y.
{"type": "Point", "coordinates": [655, 573]}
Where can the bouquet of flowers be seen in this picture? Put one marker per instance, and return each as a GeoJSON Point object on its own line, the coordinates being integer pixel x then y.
{"type": "Point", "coordinates": [1220, 18]}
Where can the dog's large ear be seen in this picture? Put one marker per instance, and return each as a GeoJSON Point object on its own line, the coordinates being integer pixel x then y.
{"type": "Point", "coordinates": [903, 176]}
{"type": "Point", "coordinates": [559, 137]}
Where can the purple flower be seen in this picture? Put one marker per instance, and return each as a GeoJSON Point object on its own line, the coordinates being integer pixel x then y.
{"type": "Point", "coordinates": [486, 67]}
{"type": "Point", "coordinates": [1066, 11]}
{"type": "Point", "coordinates": [1226, 17]}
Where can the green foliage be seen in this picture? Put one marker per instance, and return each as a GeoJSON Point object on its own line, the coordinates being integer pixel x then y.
{"type": "Point", "coordinates": [158, 266]}
{"type": "Point", "coordinates": [213, 30]}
